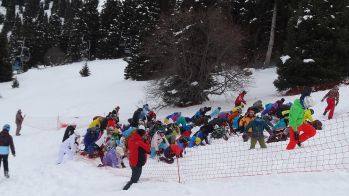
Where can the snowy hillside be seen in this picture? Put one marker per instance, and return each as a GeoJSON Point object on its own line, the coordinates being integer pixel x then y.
{"type": "Point", "coordinates": [59, 93]}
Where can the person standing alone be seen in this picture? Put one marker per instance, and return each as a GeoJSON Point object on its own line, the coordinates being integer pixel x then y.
{"type": "Point", "coordinates": [6, 142]}
{"type": "Point", "coordinates": [19, 121]}
{"type": "Point", "coordinates": [332, 101]}
{"type": "Point", "coordinates": [138, 149]}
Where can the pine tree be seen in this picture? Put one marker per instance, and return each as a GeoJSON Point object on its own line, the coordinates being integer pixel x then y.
{"type": "Point", "coordinates": [5, 66]}
{"type": "Point", "coordinates": [315, 56]}
{"type": "Point", "coordinates": [74, 30]}
{"type": "Point", "coordinates": [40, 38]}
{"type": "Point", "coordinates": [139, 19]}
{"type": "Point", "coordinates": [90, 17]}
{"type": "Point", "coordinates": [85, 71]}
{"type": "Point", "coordinates": [10, 15]}
{"type": "Point", "coordinates": [32, 8]}
{"type": "Point", "coordinates": [110, 32]}
{"type": "Point", "coordinates": [15, 83]}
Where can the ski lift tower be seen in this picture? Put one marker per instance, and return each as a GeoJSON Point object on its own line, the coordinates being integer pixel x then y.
{"type": "Point", "coordinates": [21, 59]}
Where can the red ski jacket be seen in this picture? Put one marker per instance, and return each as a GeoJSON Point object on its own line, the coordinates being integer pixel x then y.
{"type": "Point", "coordinates": [138, 150]}
{"type": "Point", "coordinates": [240, 99]}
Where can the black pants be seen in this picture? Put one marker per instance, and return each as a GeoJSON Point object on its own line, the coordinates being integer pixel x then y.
{"type": "Point", "coordinates": [136, 174]}
{"type": "Point", "coordinates": [4, 158]}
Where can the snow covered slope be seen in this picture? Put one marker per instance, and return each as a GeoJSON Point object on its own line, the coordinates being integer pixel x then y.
{"type": "Point", "coordinates": [60, 91]}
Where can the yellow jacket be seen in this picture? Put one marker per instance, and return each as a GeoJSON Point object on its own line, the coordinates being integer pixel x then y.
{"type": "Point", "coordinates": [308, 116]}
{"type": "Point", "coordinates": [245, 120]}
{"type": "Point", "coordinates": [95, 123]}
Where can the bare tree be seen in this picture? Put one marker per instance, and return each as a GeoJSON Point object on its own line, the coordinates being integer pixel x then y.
{"type": "Point", "coordinates": [272, 36]}
{"type": "Point", "coordinates": [195, 54]}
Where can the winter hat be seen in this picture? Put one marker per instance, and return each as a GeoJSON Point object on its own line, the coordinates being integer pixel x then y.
{"type": "Point", "coordinates": [308, 102]}
{"type": "Point", "coordinates": [6, 127]}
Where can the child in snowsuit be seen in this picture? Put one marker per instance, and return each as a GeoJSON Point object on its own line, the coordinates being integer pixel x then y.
{"type": "Point", "coordinates": [172, 117]}
{"type": "Point", "coordinates": [90, 138]}
{"type": "Point", "coordinates": [215, 112]}
{"type": "Point", "coordinates": [332, 101]}
{"type": "Point", "coordinates": [258, 125]}
{"type": "Point", "coordinates": [69, 147]}
{"type": "Point", "coordinates": [170, 152]}
{"type": "Point", "coordinates": [158, 142]}
{"type": "Point", "coordinates": [240, 99]}
{"type": "Point", "coordinates": [6, 143]}
{"type": "Point", "coordinates": [69, 131]}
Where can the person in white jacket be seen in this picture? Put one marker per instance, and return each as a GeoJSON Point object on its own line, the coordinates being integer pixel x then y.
{"type": "Point", "coordinates": [157, 142]}
{"type": "Point", "coordinates": [69, 147]}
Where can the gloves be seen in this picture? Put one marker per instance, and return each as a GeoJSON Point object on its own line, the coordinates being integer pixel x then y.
{"type": "Point", "coordinates": [158, 153]}
{"type": "Point", "coordinates": [296, 136]}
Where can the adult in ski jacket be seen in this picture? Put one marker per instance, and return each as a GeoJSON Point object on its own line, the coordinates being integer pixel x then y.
{"type": "Point", "coordinates": [332, 100]}
{"type": "Point", "coordinates": [297, 124]}
{"type": "Point", "coordinates": [138, 149]}
{"type": "Point", "coordinates": [6, 143]}
{"type": "Point", "coordinates": [258, 125]}
{"type": "Point", "coordinates": [19, 121]}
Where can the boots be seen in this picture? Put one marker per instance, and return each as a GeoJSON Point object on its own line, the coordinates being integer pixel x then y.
{"type": "Point", "coordinates": [325, 112]}
{"type": "Point", "coordinates": [128, 185]}
{"type": "Point", "coordinates": [7, 175]}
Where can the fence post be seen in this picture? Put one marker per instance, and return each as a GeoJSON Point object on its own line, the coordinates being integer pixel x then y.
{"type": "Point", "coordinates": [58, 122]}
{"type": "Point", "coordinates": [179, 175]}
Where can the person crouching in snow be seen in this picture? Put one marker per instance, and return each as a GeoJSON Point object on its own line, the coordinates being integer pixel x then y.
{"type": "Point", "coordinates": [158, 142]}
{"type": "Point", "coordinates": [69, 131]}
{"type": "Point", "coordinates": [170, 152]}
{"type": "Point", "coordinates": [240, 99]}
{"type": "Point", "coordinates": [69, 147]}
{"type": "Point", "coordinates": [111, 158]}
{"type": "Point", "coordinates": [332, 101]}
{"type": "Point", "coordinates": [258, 125]}
{"type": "Point", "coordinates": [138, 148]}
{"type": "Point", "coordinates": [297, 124]}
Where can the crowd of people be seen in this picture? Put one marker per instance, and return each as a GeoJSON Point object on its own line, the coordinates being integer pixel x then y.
{"type": "Point", "coordinates": [167, 139]}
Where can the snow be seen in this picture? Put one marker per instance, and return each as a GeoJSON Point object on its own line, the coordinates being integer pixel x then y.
{"type": "Point", "coordinates": [308, 61]}
{"type": "Point", "coordinates": [284, 58]}
{"type": "Point", "coordinates": [251, 21]}
{"type": "Point", "coordinates": [3, 12]}
{"type": "Point", "coordinates": [306, 17]}
{"type": "Point", "coordinates": [194, 83]}
{"type": "Point", "coordinates": [49, 11]}
{"type": "Point", "coordinates": [100, 5]}
{"type": "Point", "coordinates": [45, 94]}
{"type": "Point", "coordinates": [174, 91]}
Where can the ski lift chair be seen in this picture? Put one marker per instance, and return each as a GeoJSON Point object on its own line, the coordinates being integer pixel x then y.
{"type": "Point", "coordinates": [17, 66]}
{"type": "Point", "coordinates": [25, 54]}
